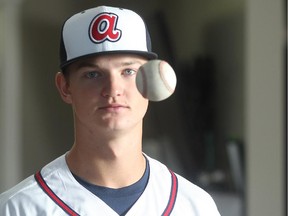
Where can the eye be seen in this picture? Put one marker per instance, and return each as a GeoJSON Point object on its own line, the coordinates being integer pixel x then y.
{"type": "Point", "coordinates": [92, 75]}
{"type": "Point", "coordinates": [129, 72]}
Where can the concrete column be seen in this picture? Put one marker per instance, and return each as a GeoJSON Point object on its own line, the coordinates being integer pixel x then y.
{"type": "Point", "coordinates": [10, 95]}
{"type": "Point", "coordinates": [265, 107]}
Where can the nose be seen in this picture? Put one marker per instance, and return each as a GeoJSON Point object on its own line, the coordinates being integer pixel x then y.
{"type": "Point", "coordinates": [112, 87]}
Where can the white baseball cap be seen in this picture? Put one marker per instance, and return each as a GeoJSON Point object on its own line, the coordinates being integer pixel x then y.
{"type": "Point", "coordinates": [103, 30]}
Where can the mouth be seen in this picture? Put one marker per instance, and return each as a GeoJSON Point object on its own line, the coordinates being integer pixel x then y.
{"type": "Point", "coordinates": [113, 107]}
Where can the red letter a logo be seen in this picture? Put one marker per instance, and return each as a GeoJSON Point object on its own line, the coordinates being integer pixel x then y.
{"type": "Point", "coordinates": [103, 27]}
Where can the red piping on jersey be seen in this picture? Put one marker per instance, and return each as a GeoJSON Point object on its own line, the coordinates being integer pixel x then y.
{"type": "Point", "coordinates": [52, 195]}
{"type": "Point", "coordinates": [69, 211]}
{"type": "Point", "coordinates": [173, 195]}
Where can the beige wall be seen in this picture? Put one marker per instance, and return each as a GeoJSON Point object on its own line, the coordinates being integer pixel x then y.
{"type": "Point", "coordinates": [265, 107]}
{"type": "Point", "coordinates": [10, 96]}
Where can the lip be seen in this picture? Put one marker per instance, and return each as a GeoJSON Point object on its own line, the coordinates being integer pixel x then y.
{"type": "Point", "coordinates": [113, 107]}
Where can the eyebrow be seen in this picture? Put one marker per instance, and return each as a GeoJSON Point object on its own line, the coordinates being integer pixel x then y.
{"type": "Point", "coordinates": [128, 63]}
{"type": "Point", "coordinates": [84, 64]}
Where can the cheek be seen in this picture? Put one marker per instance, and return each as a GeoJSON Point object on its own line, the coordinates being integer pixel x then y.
{"type": "Point", "coordinates": [133, 88]}
{"type": "Point", "coordinates": [85, 89]}
{"type": "Point", "coordinates": [136, 94]}
{"type": "Point", "coordinates": [84, 95]}
{"type": "Point", "coordinates": [142, 105]}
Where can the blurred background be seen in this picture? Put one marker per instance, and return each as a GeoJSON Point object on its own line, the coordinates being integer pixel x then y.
{"type": "Point", "coordinates": [223, 128]}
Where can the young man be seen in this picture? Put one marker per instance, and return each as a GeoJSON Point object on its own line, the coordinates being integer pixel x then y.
{"type": "Point", "coordinates": [105, 172]}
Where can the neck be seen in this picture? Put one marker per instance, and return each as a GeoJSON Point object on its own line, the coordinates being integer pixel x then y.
{"type": "Point", "coordinates": [112, 161]}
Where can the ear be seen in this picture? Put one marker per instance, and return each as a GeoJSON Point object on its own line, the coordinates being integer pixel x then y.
{"type": "Point", "coordinates": [63, 87]}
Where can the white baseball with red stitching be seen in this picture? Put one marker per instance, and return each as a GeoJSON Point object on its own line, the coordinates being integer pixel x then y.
{"type": "Point", "coordinates": [156, 80]}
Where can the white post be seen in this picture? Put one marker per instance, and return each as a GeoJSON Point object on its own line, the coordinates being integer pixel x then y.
{"type": "Point", "coordinates": [10, 96]}
{"type": "Point", "coordinates": [265, 107]}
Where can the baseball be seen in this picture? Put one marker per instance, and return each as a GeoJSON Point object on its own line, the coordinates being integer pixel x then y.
{"type": "Point", "coordinates": [156, 80]}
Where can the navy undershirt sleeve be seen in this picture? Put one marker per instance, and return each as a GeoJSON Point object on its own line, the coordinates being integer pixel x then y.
{"type": "Point", "coordinates": [122, 199]}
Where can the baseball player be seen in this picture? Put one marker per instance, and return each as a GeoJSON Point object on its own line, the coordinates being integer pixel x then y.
{"type": "Point", "coordinates": [105, 172]}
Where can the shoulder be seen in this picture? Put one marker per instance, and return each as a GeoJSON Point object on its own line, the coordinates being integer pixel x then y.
{"type": "Point", "coordinates": [190, 197]}
{"type": "Point", "coordinates": [16, 200]}
{"type": "Point", "coordinates": [27, 184]}
{"type": "Point", "coordinates": [195, 195]}
{"type": "Point", "coordinates": [12, 200]}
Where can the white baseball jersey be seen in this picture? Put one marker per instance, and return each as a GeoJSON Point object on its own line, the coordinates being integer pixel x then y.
{"type": "Point", "coordinates": [54, 191]}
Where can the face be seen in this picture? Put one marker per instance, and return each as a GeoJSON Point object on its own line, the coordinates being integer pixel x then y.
{"type": "Point", "coordinates": [102, 91]}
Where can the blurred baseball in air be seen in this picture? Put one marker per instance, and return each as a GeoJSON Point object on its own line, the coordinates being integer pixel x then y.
{"type": "Point", "coordinates": [156, 80]}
